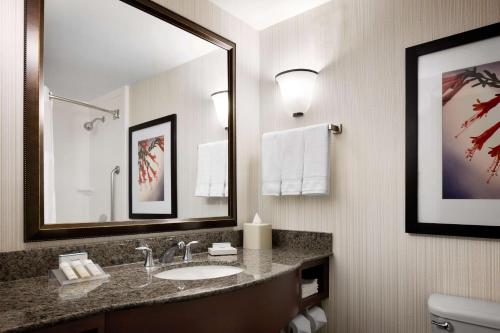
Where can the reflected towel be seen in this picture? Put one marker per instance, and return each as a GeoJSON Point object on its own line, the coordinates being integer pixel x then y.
{"type": "Point", "coordinates": [218, 159]}
{"type": "Point", "coordinates": [316, 178]}
{"type": "Point", "coordinates": [203, 172]}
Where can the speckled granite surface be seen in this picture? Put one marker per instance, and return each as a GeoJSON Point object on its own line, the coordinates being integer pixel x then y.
{"type": "Point", "coordinates": [32, 303]}
{"type": "Point", "coordinates": [37, 262]}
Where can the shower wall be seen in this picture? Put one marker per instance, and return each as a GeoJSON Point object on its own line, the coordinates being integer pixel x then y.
{"type": "Point", "coordinates": [109, 148]}
{"type": "Point", "coordinates": [84, 159]}
{"type": "Point", "coordinates": [71, 161]}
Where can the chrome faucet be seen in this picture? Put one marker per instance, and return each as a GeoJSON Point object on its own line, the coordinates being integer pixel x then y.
{"type": "Point", "coordinates": [188, 256]}
{"type": "Point", "coordinates": [169, 254]}
{"type": "Point", "coordinates": [148, 260]}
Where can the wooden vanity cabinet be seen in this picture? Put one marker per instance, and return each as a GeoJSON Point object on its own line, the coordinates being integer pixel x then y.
{"type": "Point", "coordinates": [266, 307]}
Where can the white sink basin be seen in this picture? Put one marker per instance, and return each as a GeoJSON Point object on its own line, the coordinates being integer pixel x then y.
{"type": "Point", "coordinates": [198, 272]}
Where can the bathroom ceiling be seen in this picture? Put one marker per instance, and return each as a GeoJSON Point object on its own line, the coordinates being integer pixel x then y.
{"type": "Point", "coordinates": [118, 45]}
{"type": "Point", "coordinates": [261, 14]}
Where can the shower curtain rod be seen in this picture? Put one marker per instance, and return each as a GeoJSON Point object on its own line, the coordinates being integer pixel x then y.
{"type": "Point", "coordinates": [114, 113]}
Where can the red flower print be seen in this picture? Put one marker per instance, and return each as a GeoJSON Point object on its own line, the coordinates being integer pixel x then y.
{"type": "Point", "coordinates": [493, 169]}
{"type": "Point", "coordinates": [481, 109]}
{"type": "Point", "coordinates": [479, 141]}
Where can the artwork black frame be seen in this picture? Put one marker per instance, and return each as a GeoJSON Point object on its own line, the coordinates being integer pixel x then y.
{"type": "Point", "coordinates": [172, 119]}
{"type": "Point", "coordinates": [413, 225]}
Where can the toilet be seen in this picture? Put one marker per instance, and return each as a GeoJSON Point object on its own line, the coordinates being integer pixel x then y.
{"type": "Point", "coordinates": [463, 315]}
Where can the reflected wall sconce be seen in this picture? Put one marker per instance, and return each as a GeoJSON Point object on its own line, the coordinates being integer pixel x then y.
{"type": "Point", "coordinates": [221, 104]}
{"type": "Point", "coordinates": [297, 86]}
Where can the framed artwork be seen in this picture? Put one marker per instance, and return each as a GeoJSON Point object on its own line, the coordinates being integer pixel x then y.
{"type": "Point", "coordinates": [153, 169]}
{"type": "Point", "coordinates": [453, 135]}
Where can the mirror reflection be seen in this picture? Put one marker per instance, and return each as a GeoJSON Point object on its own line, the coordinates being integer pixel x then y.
{"type": "Point", "coordinates": [135, 113]}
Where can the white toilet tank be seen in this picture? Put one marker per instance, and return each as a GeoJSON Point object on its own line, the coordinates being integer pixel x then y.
{"type": "Point", "coordinates": [463, 315]}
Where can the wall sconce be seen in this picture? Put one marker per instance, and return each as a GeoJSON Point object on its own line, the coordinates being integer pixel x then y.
{"type": "Point", "coordinates": [296, 87]}
{"type": "Point", "coordinates": [221, 104]}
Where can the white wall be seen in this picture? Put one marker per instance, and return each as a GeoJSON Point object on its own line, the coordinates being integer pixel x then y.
{"type": "Point", "coordinates": [185, 91]}
{"type": "Point", "coordinates": [11, 107]}
{"type": "Point", "coordinates": [381, 277]}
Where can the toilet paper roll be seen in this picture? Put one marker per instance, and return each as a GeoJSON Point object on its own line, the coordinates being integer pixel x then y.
{"type": "Point", "coordinates": [299, 324]}
{"type": "Point", "coordinates": [316, 317]}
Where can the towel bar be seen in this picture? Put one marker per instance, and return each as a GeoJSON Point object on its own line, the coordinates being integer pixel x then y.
{"type": "Point", "coordinates": [336, 129]}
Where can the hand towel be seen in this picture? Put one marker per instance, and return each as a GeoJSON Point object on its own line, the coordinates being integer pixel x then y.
{"type": "Point", "coordinates": [203, 172]}
{"type": "Point", "coordinates": [316, 178]}
{"type": "Point", "coordinates": [292, 147]}
{"type": "Point", "coordinates": [299, 324]}
{"type": "Point", "coordinates": [271, 164]}
{"type": "Point", "coordinates": [218, 158]}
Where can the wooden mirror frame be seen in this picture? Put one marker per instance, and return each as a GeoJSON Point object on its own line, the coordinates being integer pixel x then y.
{"type": "Point", "coordinates": [34, 227]}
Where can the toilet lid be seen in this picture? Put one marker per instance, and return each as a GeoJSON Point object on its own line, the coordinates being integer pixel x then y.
{"type": "Point", "coordinates": [467, 310]}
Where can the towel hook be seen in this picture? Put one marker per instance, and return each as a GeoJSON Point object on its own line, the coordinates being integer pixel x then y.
{"type": "Point", "coordinates": [335, 129]}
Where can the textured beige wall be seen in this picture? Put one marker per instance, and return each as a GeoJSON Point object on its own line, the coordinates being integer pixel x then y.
{"type": "Point", "coordinates": [11, 108]}
{"type": "Point", "coordinates": [381, 277]}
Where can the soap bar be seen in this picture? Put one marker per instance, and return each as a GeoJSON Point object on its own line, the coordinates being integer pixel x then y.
{"type": "Point", "coordinates": [91, 267]}
{"type": "Point", "coordinates": [257, 236]}
{"type": "Point", "coordinates": [222, 251]}
{"type": "Point", "coordinates": [80, 269]}
{"type": "Point", "coordinates": [221, 245]}
{"type": "Point", "coordinates": [68, 271]}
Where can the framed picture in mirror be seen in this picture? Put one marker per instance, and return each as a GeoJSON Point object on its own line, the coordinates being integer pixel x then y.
{"type": "Point", "coordinates": [153, 169]}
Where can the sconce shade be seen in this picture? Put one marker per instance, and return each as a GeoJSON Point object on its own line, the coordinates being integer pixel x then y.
{"type": "Point", "coordinates": [221, 104]}
{"type": "Point", "coordinates": [297, 86]}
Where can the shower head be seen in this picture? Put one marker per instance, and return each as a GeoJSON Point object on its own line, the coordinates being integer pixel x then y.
{"type": "Point", "coordinates": [89, 125]}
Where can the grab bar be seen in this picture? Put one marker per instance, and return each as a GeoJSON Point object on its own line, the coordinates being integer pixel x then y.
{"type": "Point", "coordinates": [114, 172]}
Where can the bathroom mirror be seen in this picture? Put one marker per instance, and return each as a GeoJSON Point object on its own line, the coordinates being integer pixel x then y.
{"type": "Point", "coordinates": [129, 123]}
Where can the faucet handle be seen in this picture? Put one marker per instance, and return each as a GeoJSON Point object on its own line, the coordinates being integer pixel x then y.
{"type": "Point", "coordinates": [148, 262]}
{"type": "Point", "coordinates": [181, 245]}
{"type": "Point", "coordinates": [143, 248]}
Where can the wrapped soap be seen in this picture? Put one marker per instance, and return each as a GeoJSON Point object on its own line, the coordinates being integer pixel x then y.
{"type": "Point", "coordinates": [257, 235]}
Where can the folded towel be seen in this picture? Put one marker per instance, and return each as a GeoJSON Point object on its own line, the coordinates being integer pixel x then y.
{"type": "Point", "coordinates": [316, 177]}
{"type": "Point", "coordinates": [292, 146]}
{"type": "Point", "coordinates": [203, 172]}
{"type": "Point", "coordinates": [271, 164]}
{"type": "Point", "coordinates": [218, 158]}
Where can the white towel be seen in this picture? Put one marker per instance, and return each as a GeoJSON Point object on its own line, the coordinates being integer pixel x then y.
{"type": "Point", "coordinates": [218, 158]}
{"type": "Point", "coordinates": [292, 146]}
{"type": "Point", "coordinates": [271, 164]}
{"type": "Point", "coordinates": [203, 172]}
{"type": "Point", "coordinates": [226, 183]}
{"type": "Point", "coordinates": [316, 178]}
{"type": "Point", "coordinates": [299, 324]}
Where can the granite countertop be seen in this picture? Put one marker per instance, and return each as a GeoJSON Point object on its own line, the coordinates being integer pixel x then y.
{"type": "Point", "coordinates": [34, 303]}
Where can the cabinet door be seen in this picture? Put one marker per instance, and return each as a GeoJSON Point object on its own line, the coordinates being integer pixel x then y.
{"type": "Point", "coordinates": [94, 324]}
{"type": "Point", "coordinates": [266, 308]}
